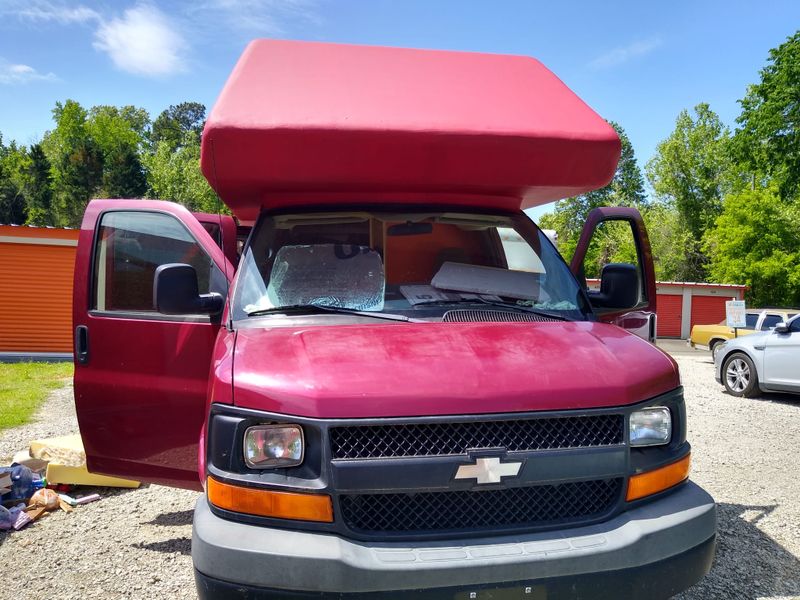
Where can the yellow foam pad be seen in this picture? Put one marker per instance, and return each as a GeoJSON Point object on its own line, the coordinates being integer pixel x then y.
{"type": "Point", "coordinates": [57, 473]}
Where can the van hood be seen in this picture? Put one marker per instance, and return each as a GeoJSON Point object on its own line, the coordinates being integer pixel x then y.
{"type": "Point", "coordinates": [394, 370]}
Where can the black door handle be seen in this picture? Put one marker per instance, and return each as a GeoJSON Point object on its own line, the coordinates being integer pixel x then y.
{"type": "Point", "coordinates": [82, 344]}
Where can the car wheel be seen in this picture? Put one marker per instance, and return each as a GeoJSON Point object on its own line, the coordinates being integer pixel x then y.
{"type": "Point", "coordinates": [739, 376]}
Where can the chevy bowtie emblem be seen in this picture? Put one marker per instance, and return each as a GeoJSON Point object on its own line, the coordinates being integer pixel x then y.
{"type": "Point", "coordinates": [488, 470]}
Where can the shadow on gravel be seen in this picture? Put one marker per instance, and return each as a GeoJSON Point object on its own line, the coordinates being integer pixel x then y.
{"type": "Point", "coordinates": [182, 545]}
{"type": "Point", "coordinates": [784, 399]}
{"type": "Point", "coordinates": [173, 519]}
{"type": "Point", "coordinates": [749, 564]}
{"type": "Point", "coordinates": [792, 400]}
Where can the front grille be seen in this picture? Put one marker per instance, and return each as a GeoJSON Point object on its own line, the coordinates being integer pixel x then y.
{"type": "Point", "coordinates": [470, 315]}
{"type": "Point", "coordinates": [443, 439]}
{"type": "Point", "coordinates": [451, 511]}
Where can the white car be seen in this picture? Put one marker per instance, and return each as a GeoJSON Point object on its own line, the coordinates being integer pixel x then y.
{"type": "Point", "coordinates": [767, 361]}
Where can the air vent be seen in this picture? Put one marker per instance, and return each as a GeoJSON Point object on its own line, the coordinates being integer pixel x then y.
{"type": "Point", "coordinates": [467, 315]}
{"type": "Point", "coordinates": [471, 511]}
{"type": "Point", "coordinates": [442, 438]}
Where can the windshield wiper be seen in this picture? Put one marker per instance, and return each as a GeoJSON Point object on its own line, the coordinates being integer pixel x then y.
{"type": "Point", "coordinates": [496, 303]}
{"type": "Point", "coordinates": [317, 308]}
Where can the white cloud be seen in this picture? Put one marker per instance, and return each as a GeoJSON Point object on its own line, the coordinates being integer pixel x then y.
{"type": "Point", "coordinates": [46, 10]}
{"type": "Point", "coordinates": [623, 54]}
{"type": "Point", "coordinates": [11, 74]}
{"type": "Point", "coordinates": [143, 42]}
{"type": "Point", "coordinates": [265, 17]}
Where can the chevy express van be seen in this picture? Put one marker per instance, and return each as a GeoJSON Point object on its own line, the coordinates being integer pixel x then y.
{"type": "Point", "coordinates": [398, 388]}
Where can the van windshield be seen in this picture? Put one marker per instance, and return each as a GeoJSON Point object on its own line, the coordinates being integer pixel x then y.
{"type": "Point", "coordinates": [418, 265]}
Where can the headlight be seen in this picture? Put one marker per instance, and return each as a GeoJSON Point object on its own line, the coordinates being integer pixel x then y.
{"type": "Point", "coordinates": [273, 446]}
{"type": "Point", "coordinates": [651, 426]}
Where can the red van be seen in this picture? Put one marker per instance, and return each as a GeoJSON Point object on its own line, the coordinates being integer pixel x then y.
{"type": "Point", "coordinates": [379, 396]}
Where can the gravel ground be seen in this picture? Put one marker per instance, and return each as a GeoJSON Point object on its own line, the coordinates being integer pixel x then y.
{"type": "Point", "coordinates": [130, 544]}
{"type": "Point", "coordinates": [136, 543]}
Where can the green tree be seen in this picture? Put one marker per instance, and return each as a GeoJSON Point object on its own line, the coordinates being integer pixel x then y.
{"type": "Point", "coordinates": [13, 164]}
{"type": "Point", "coordinates": [39, 193]}
{"type": "Point", "coordinates": [179, 124]}
{"type": "Point", "coordinates": [690, 168]}
{"type": "Point", "coordinates": [119, 134]}
{"type": "Point", "coordinates": [756, 241]}
{"type": "Point", "coordinates": [768, 140]}
{"type": "Point", "coordinates": [691, 171]}
{"type": "Point", "coordinates": [174, 174]}
{"type": "Point", "coordinates": [625, 189]}
{"type": "Point", "coordinates": [669, 239]}
{"type": "Point", "coordinates": [123, 174]}
{"type": "Point", "coordinates": [77, 162]}
{"type": "Point", "coordinates": [11, 207]}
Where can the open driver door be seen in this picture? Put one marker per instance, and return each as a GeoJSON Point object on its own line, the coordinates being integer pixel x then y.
{"type": "Point", "coordinates": [141, 376]}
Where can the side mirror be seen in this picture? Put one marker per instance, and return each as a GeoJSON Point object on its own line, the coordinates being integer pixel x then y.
{"type": "Point", "coordinates": [619, 287]}
{"type": "Point", "coordinates": [175, 292]}
{"type": "Point", "coordinates": [782, 327]}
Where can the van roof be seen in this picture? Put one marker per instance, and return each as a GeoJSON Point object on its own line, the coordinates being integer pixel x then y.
{"type": "Point", "coordinates": [301, 123]}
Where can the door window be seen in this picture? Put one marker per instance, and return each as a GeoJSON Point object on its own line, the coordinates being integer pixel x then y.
{"type": "Point", "coordinates": [751, 319]}
{"type": "Point", "coordinates": [770, 321]}
{"type": "Point", "coordinates": [130, 246]}
{"type": "Point", "coordinates": [614, 241]}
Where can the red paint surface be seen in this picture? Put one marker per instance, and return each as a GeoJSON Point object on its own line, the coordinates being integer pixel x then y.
{"type": "Point", "coordinates": [141, 399]}
{"type": "Point", "coordinates": [300, 123]}
{"type": "Point", "coordinates": [445, 369]}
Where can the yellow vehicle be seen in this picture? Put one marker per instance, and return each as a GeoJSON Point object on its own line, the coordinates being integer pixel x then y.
{"type": "Point", "coordinates": [710, 336]}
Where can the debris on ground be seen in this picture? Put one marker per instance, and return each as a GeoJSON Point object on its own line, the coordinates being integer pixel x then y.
{"type": "Point", "coordinates": [40, 478]}
{"type": "Point", "coordinates": [66, 463]}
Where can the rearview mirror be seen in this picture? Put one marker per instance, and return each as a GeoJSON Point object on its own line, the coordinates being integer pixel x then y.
{"type": "Point", "coordinates": [782, 327]}
{"type": "Point", "coordinates": [619, 287]}
{"type": "Point", "coordinates": [175, 292]}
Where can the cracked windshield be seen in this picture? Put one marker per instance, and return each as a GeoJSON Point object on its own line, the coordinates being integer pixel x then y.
{"type": "Point", "coordinates": [403, 264]}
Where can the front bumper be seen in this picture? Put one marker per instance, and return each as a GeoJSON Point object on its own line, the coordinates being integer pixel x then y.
{"type": "Point", "coordinates": [652, 551]}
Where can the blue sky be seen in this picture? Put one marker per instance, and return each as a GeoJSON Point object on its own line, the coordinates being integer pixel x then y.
{"type": "Point", "coordinates": [638, 63]}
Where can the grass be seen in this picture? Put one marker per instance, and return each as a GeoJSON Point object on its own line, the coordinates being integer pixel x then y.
{"type": "Point", "coordinates": [24, 386]}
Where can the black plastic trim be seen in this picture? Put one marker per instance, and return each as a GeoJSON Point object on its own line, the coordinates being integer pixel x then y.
{"type": "Point", "coordinates": [655, 581]}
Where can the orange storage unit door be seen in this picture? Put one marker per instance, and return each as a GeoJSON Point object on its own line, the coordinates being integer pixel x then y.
{"type": "Point", "coordinates": [708, 310]}
{"type": "Point", "coordinates": [36, 267]}
{"type": "Point", "coordinates": [670, 314]}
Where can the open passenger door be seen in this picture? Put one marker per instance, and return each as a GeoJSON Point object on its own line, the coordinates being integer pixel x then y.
{"type": "Point", "coordinates": [141, 377]}
{"type": "Point", "coordinates": [627, 295]}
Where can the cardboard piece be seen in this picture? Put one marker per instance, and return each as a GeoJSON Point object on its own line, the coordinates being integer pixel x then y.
{"type": "Point", "coordinates": [23, 457]}
{"type": "Point", "coordinates": [66, 450]}
{"type": "Point", "coordinates": [5, 483]}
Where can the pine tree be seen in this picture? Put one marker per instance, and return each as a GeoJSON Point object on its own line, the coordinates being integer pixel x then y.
{"type": "Point", "coordinates": [39, 194]}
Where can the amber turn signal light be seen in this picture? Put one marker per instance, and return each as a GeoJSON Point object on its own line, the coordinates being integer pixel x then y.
{"type": "Point", "coordinates": [269, 503]}
{"type": "Point", "coordinates": [658, 480]}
